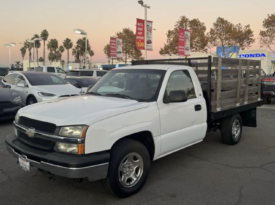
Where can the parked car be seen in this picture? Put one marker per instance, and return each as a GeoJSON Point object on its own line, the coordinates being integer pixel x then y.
{"type": "Point", "coordinates": [131, 117]}
{"type": "Point", "coordinates": [10, 102]}
{"type": "Point", "coordinates": [82, 83]}
{"type": "Point", "coordinates": [268, 88]}
{"type": "Point", "coordinates": [94, 73]}
{"type": "Point", "coordinates": [36, 87]}
{"type": "Point", "coordinates": [50, 69]}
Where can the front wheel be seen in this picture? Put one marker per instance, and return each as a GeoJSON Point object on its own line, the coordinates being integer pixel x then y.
{"type": "Point", "coordinates": [31, 100]}
{"type": "Point", "coordinates": [231, 129]}
{"type": "Point", "coordinates": [128, 169]}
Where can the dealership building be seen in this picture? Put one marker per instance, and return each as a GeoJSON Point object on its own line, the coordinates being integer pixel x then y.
{"type": "Point", "coordinates": [266, 57]}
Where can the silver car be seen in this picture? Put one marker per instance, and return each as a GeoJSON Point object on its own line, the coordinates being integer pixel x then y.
{"type": "Point", "coordinates": [36, 87]}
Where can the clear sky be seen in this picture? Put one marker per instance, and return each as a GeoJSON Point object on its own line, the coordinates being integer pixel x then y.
{"type": "Point", "coordinates": [21, 19]}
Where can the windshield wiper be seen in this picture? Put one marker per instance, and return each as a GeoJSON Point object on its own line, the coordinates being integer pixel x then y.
{"type": "Point", "coordinates": [94, 93]}
{"type": "Point", "coordinates": [119, 95]}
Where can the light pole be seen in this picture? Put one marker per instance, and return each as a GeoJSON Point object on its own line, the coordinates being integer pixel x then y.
{"type": "Point", "coordinates": [82, 32]}
{"type": "Point", "coordinates": [9, 45]}
{"type": "Point", "coordinates": [145, 8]}
{"type": "Point", "coordinates": [33, 41]}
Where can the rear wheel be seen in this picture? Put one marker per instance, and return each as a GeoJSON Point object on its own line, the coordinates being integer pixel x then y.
{"type": "Point", "coordinates": [31, 100]}
{"type": "Point", "coordinates": [128, 169]}
{"type": "Point", "coordinates": [231, 129]}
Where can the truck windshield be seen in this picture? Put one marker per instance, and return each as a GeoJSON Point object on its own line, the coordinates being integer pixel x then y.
{"type": "Point", "coordinates": [138, 84]}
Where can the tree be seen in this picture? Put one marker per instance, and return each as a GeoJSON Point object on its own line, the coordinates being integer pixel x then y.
{"type": "Point", "coordinates": [23, 52]}
{"type": "Point", "coordinates": [76, 54]}
{"type": "Point", "coordinates": [80, 48]}
{"type": "Point", "coordinates": [61, 50]}
{"type": "Point", "coordinates": [44, 35]}
{"type": "Point", "coordinates": [198, 41]}
{"type": "Point", "coordinates": [129, 48]}
{"type": "Point", "coordinates": [58, 55]}
{"type": "Point", "coordinates": [267, 36]}
{"type": "Point", "coordinates": [107, 51]}
{"type": "Point", "coordinates": [28, 45]}
{"type": "Point", "coordinates": [53, 46]}
{"type": "Point", "coordinates": [51, 56]}
{"type": "Point", "coordinates": [41, 59]}
{"type": "Point", "coordinates": [67, 43]}
{"type": "Point", "coordinates": [225, 34]}
{"type": "Point", "coordinates": [37, 45]}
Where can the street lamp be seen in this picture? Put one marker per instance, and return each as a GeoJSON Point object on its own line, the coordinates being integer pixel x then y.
{"type": "Point", "coordinates": [33, 41]}
{"type": "Point", "coordinates": [145, 7]}
{"type": "Point", "coordinates": [82, 32]}
{"type": "Point", "coordinates": [9, 45]}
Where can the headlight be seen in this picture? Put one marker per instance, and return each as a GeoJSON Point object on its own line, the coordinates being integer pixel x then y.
{"type": "Point", "coordinates": [69, 148]}
{"type": "Point", "coordinates": [17, 100]}
{"type": "Point", "coordinates": [73, 131]}
{"type": "Point", "coordinates": [17, 117]}
{"type": "Point", "coordinates": [46, 94]}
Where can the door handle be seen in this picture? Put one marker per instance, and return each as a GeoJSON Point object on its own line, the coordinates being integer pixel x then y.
{"type": "Point", "coordinates": [197, 107]}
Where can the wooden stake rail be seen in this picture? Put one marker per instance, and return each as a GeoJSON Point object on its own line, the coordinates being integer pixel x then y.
{"type": "Point", "coordinates": [234, 82]}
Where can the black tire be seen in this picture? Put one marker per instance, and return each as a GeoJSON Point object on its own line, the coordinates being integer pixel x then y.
{"type": "Point", "coordinates": [31, 100]}
{"type": "Point", "coordinates": [227, 130]}
{"type": "Point", "coordinates": [267, 100]}
{"type": "Point", "coordinates": [118, 153]}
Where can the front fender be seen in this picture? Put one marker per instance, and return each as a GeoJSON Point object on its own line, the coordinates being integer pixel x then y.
{"type": "Point", "coordinates": [102, 135]}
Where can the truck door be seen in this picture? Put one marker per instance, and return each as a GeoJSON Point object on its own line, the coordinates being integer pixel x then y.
{"type": "Point", "coordinates": [183, 123]}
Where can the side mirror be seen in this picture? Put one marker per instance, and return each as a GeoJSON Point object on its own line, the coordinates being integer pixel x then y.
{"type": "Point", "coordinates": [7, 86]}
{"type": "Point", "coordinates": [21, 85]}
{"type": "Point", "coordinates": [175, 96]}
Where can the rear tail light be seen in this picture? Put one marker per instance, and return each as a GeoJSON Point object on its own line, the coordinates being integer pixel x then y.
{"type": "Point", "coordinates": [268, 80]}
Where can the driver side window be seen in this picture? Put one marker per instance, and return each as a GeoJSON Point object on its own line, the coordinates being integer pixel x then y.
{"type": "Point", "coordinates": [181, 81]}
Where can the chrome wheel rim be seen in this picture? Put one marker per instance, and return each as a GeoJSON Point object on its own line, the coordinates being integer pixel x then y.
{"type": "Point", "coordinates": [236, 129]}
{"type": "Point", "coordinates": [130, 170]}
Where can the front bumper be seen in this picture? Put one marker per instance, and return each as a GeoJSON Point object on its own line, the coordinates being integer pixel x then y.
{"type": "Point", "coordinates": [9, 113]}
{"type": "Point", "coordinates": [91, 166]}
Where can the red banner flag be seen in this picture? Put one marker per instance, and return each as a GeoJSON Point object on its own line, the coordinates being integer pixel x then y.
{"type": "Point", "coordinates": [140, 34]}
{"type": "Point", "coordinates": [184, 42]}
{"type": "Point", "coordinates": [113, 48]}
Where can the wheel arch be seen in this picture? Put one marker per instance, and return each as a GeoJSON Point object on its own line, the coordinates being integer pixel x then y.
{"type": "Point", "coordinates": [145, 138]}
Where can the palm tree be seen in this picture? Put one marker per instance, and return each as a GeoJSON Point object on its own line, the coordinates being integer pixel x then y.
{"type": "Point", "coordinates": [61, 50]}
{"type": "Point", "coordinates": [91, 53]}
{"type": "Point", "coordinates": [37, 45]}
{"type": "Point", "coordinates": [28, 45]}
{"type": "Point", "coordinates": [51, 56]}
{"type": "Point", "coordinates": [23, 52]}
{"type": "Point", "coordinates": [41, 59]}
{"type": "Point", "coordinates": [68, 44]}
{"type": "Point", "coordinates": [76, 54]}
{"type": "Point", "coordinates": [44, 35]}
{"type": "Point", "coordinates": [53, 46]}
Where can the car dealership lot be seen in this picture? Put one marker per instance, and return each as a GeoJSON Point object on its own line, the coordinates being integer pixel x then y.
{"type": "Point", "coordinates": [208, 173]}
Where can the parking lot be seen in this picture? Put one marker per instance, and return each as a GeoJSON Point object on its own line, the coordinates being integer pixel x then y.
{"type": "Point", "coordinates": [207, 173]}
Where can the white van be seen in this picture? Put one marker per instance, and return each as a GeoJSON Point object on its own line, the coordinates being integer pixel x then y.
{"type": "Point", "coordinates": [50, 69]}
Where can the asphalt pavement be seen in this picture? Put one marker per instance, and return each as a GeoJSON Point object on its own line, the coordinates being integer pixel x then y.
{"type": "Point", "coordinates": [206, 173]}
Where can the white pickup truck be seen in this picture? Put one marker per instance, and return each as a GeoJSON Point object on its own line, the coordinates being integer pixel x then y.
{"type": "Point", "coordinates": [131, 117]}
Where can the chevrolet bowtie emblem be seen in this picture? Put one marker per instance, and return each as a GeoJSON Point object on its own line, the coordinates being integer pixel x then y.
{"type": "Point", "coordinates": [30, 132]}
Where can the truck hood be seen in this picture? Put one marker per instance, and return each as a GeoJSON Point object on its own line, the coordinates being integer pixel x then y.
{"type": "Point", "coordinates": [80, 110]}
{"type": "Point", "coordinates": [58, 90]}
